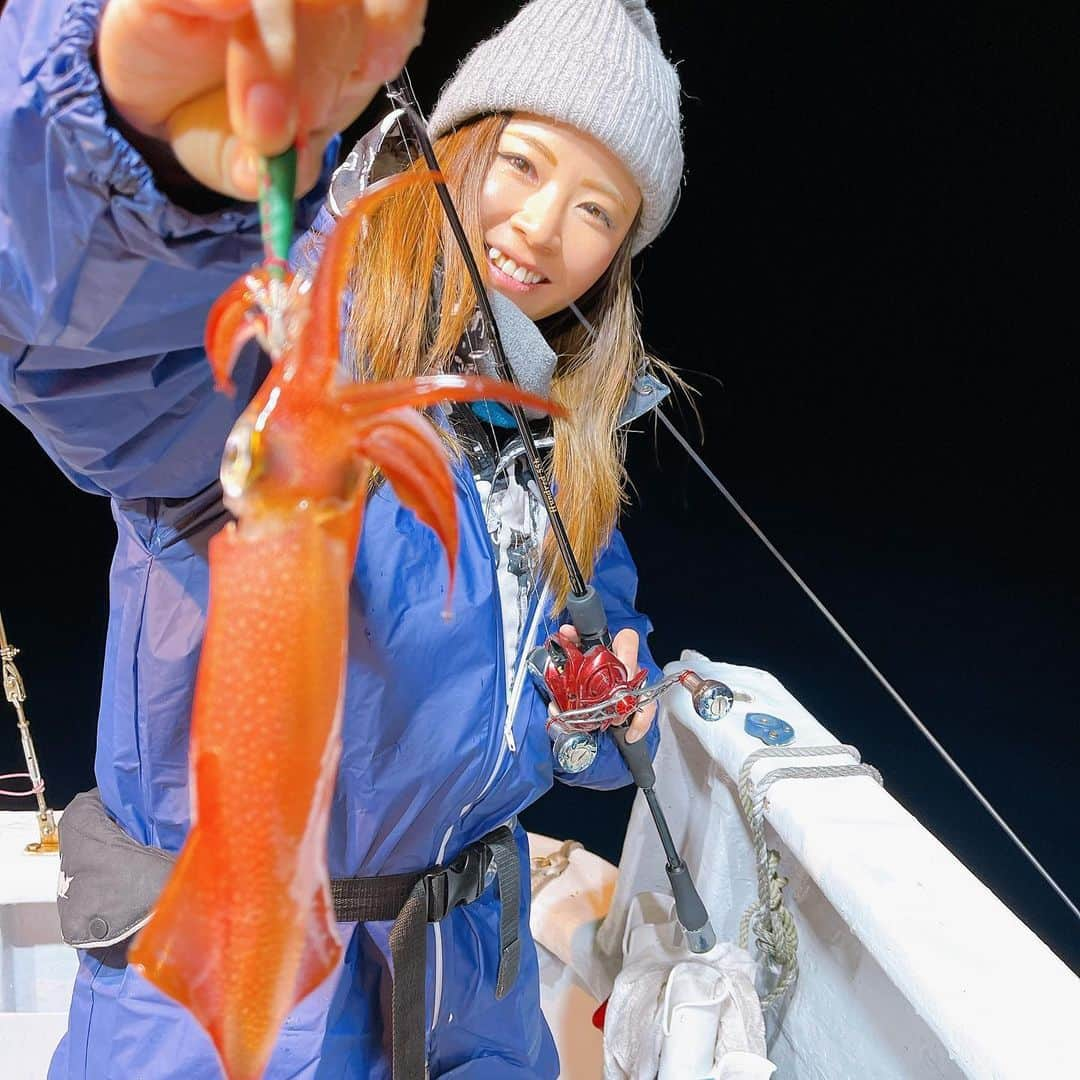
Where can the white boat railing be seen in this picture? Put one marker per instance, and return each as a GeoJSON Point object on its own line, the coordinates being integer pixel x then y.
{"type": "Point", "coordinates": [910, 967]}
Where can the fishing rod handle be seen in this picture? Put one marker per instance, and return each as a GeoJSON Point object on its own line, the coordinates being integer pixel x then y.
{"type": "Point", "coordinates": [637, 757]}
{"type": "Point", "coordinates": [690, 909]}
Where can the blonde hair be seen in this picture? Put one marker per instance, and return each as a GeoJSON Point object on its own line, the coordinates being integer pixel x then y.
{"type": "Point", "coordinates": [401, 325]}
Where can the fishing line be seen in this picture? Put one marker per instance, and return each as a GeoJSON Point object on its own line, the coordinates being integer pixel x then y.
{"type": "Point", "coordinates": [871, 667]}
{"type": "Point", "coordinates": [835, 623]}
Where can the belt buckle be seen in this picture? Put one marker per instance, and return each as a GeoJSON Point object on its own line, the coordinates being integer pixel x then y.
{"type": "Point", "coordinates": [460, 883]}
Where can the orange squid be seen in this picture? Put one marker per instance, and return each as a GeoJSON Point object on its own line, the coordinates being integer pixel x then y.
{"type": "Point", "coordinates": [245, 928]}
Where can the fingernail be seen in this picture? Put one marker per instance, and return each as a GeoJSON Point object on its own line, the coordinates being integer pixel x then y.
{"type": "Point", "coordinates": [632, 737]}
{"type": "Point", "coordinates": [268, 111]}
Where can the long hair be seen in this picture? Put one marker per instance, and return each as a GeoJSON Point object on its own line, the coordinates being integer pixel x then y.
{"type": "Point", "coordinates": [400, 325]}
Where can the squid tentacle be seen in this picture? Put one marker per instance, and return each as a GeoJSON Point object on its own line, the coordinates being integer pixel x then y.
{"type": "Point", "coordinates": [405, 447]}
{"type": "Point", "coordinates": [361, 399]}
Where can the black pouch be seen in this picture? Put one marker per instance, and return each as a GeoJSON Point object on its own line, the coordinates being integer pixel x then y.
{"type": "Point", "coordinates": [108, 882]}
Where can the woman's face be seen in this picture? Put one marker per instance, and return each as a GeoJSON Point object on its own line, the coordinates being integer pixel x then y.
{"type": "Point", "coordinates": [555, 206]}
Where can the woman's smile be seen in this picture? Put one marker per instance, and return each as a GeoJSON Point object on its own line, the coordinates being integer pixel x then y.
{"type": "Point", "coordinates": [508, 273]}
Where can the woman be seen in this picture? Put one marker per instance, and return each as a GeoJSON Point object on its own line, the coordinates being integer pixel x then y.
{"type": "Point", "coordinates": [560, 137]}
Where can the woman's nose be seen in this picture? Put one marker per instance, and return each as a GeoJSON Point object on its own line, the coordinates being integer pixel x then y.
{"type": "Point", "coordinates": [538, 221]}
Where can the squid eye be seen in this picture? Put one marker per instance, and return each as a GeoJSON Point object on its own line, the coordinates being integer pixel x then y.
{"type": "Point", "coordinates": [237, 462]}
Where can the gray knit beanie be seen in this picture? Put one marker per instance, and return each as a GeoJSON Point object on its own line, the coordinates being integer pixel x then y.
{"type": "Point", "coordinates": [594, 64]}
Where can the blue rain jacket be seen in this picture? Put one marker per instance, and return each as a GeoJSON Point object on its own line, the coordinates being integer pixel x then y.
{"type": "Point", "coordinates": [104, 290]}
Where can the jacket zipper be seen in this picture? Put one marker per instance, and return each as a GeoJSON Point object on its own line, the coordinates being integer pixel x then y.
{"type": "Point", "coordinates": [436, 1006]}
{"type": "Point", "coordinates": [521, 668]}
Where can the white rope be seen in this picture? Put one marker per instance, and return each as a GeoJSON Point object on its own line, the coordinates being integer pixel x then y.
{"type": "Point", "coordinates": [770, 922]}
{"type": "Point", "coordinates": [34, 789]}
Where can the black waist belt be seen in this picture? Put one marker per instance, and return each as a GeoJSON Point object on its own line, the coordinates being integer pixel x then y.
{"type": "Point", "coordinates": [414, 900]}
{"type": "Point", "coordinates": [110, 883]}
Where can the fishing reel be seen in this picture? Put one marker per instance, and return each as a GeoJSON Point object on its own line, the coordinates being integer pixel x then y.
{"type": "Point", "coordinates": [589, 690]}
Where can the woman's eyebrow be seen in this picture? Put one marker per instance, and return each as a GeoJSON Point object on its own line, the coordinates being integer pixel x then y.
{"type": "Point", "coordinates": [605, 189]}
{"type": "Point", "coordinates": [536, 144]}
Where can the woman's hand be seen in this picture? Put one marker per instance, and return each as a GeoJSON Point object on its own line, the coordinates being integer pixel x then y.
{"type": "Point", "coordinates": [224, 81]}
{"type": "Point", "coordinates": [625, 646]}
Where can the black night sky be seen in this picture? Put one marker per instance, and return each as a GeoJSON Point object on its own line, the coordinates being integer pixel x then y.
{"type": "Point", "coordinates": [864, 280]}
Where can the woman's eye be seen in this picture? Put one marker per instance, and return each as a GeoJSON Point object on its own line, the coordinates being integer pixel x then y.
{"type": "Point", "coordinates": [599, 213]}
{"type": "Point", "coordinates": [517, 162]}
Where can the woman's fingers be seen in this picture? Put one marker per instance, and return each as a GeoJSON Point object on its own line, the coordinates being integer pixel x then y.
{"type": "Point", "coordinates": [154, 56]}
{"type": "Point", "coordinates": [286, 87]}
{"type": "Point", "coordinates": [276, 22]}
{"type": "Point", "coordinates": [206, 146]}
{"type": "Point", "coordinates": [261, 87]}
{"type": "Point", "coordinates": [625, 647]}
{"type": "Point", "coordinates": [394, 29]}
{"type": "Point", "coordinates": [225, 81]}
{"type": "Point", "coordinates": [354, 95]}
{"type": "Point", "coordinates": [641, 723]}
{"type": "Point", "coordinates": [209, 150]}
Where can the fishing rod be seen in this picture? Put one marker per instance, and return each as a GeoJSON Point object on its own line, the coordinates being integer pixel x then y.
{"type": "Point", "coordinates": [564, 666]}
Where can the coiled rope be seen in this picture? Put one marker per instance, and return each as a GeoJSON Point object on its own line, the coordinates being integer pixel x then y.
{"type": "Point", "coordinates": [770, 922]}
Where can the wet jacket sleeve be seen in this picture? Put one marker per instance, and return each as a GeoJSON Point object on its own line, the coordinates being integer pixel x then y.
{"type": "Point", "coordinates": [615, 578]}
{"type": "Point", "coordinates": [104, 283]}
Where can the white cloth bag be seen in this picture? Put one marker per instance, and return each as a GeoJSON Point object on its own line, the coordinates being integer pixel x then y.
{"type": "Point", "coordinates": [676, 1014]}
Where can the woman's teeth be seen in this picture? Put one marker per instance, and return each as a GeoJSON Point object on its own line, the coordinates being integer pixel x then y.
{"type": "Point", "coordinates": [511, 268]}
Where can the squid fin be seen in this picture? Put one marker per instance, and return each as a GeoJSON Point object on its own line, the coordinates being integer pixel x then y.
{"type": "Point", "coordinates": [322, 950]}
{"type": "Point", "coordinates": [182, 948]}
{"type": "Point", "coordinates": [179, 950]}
